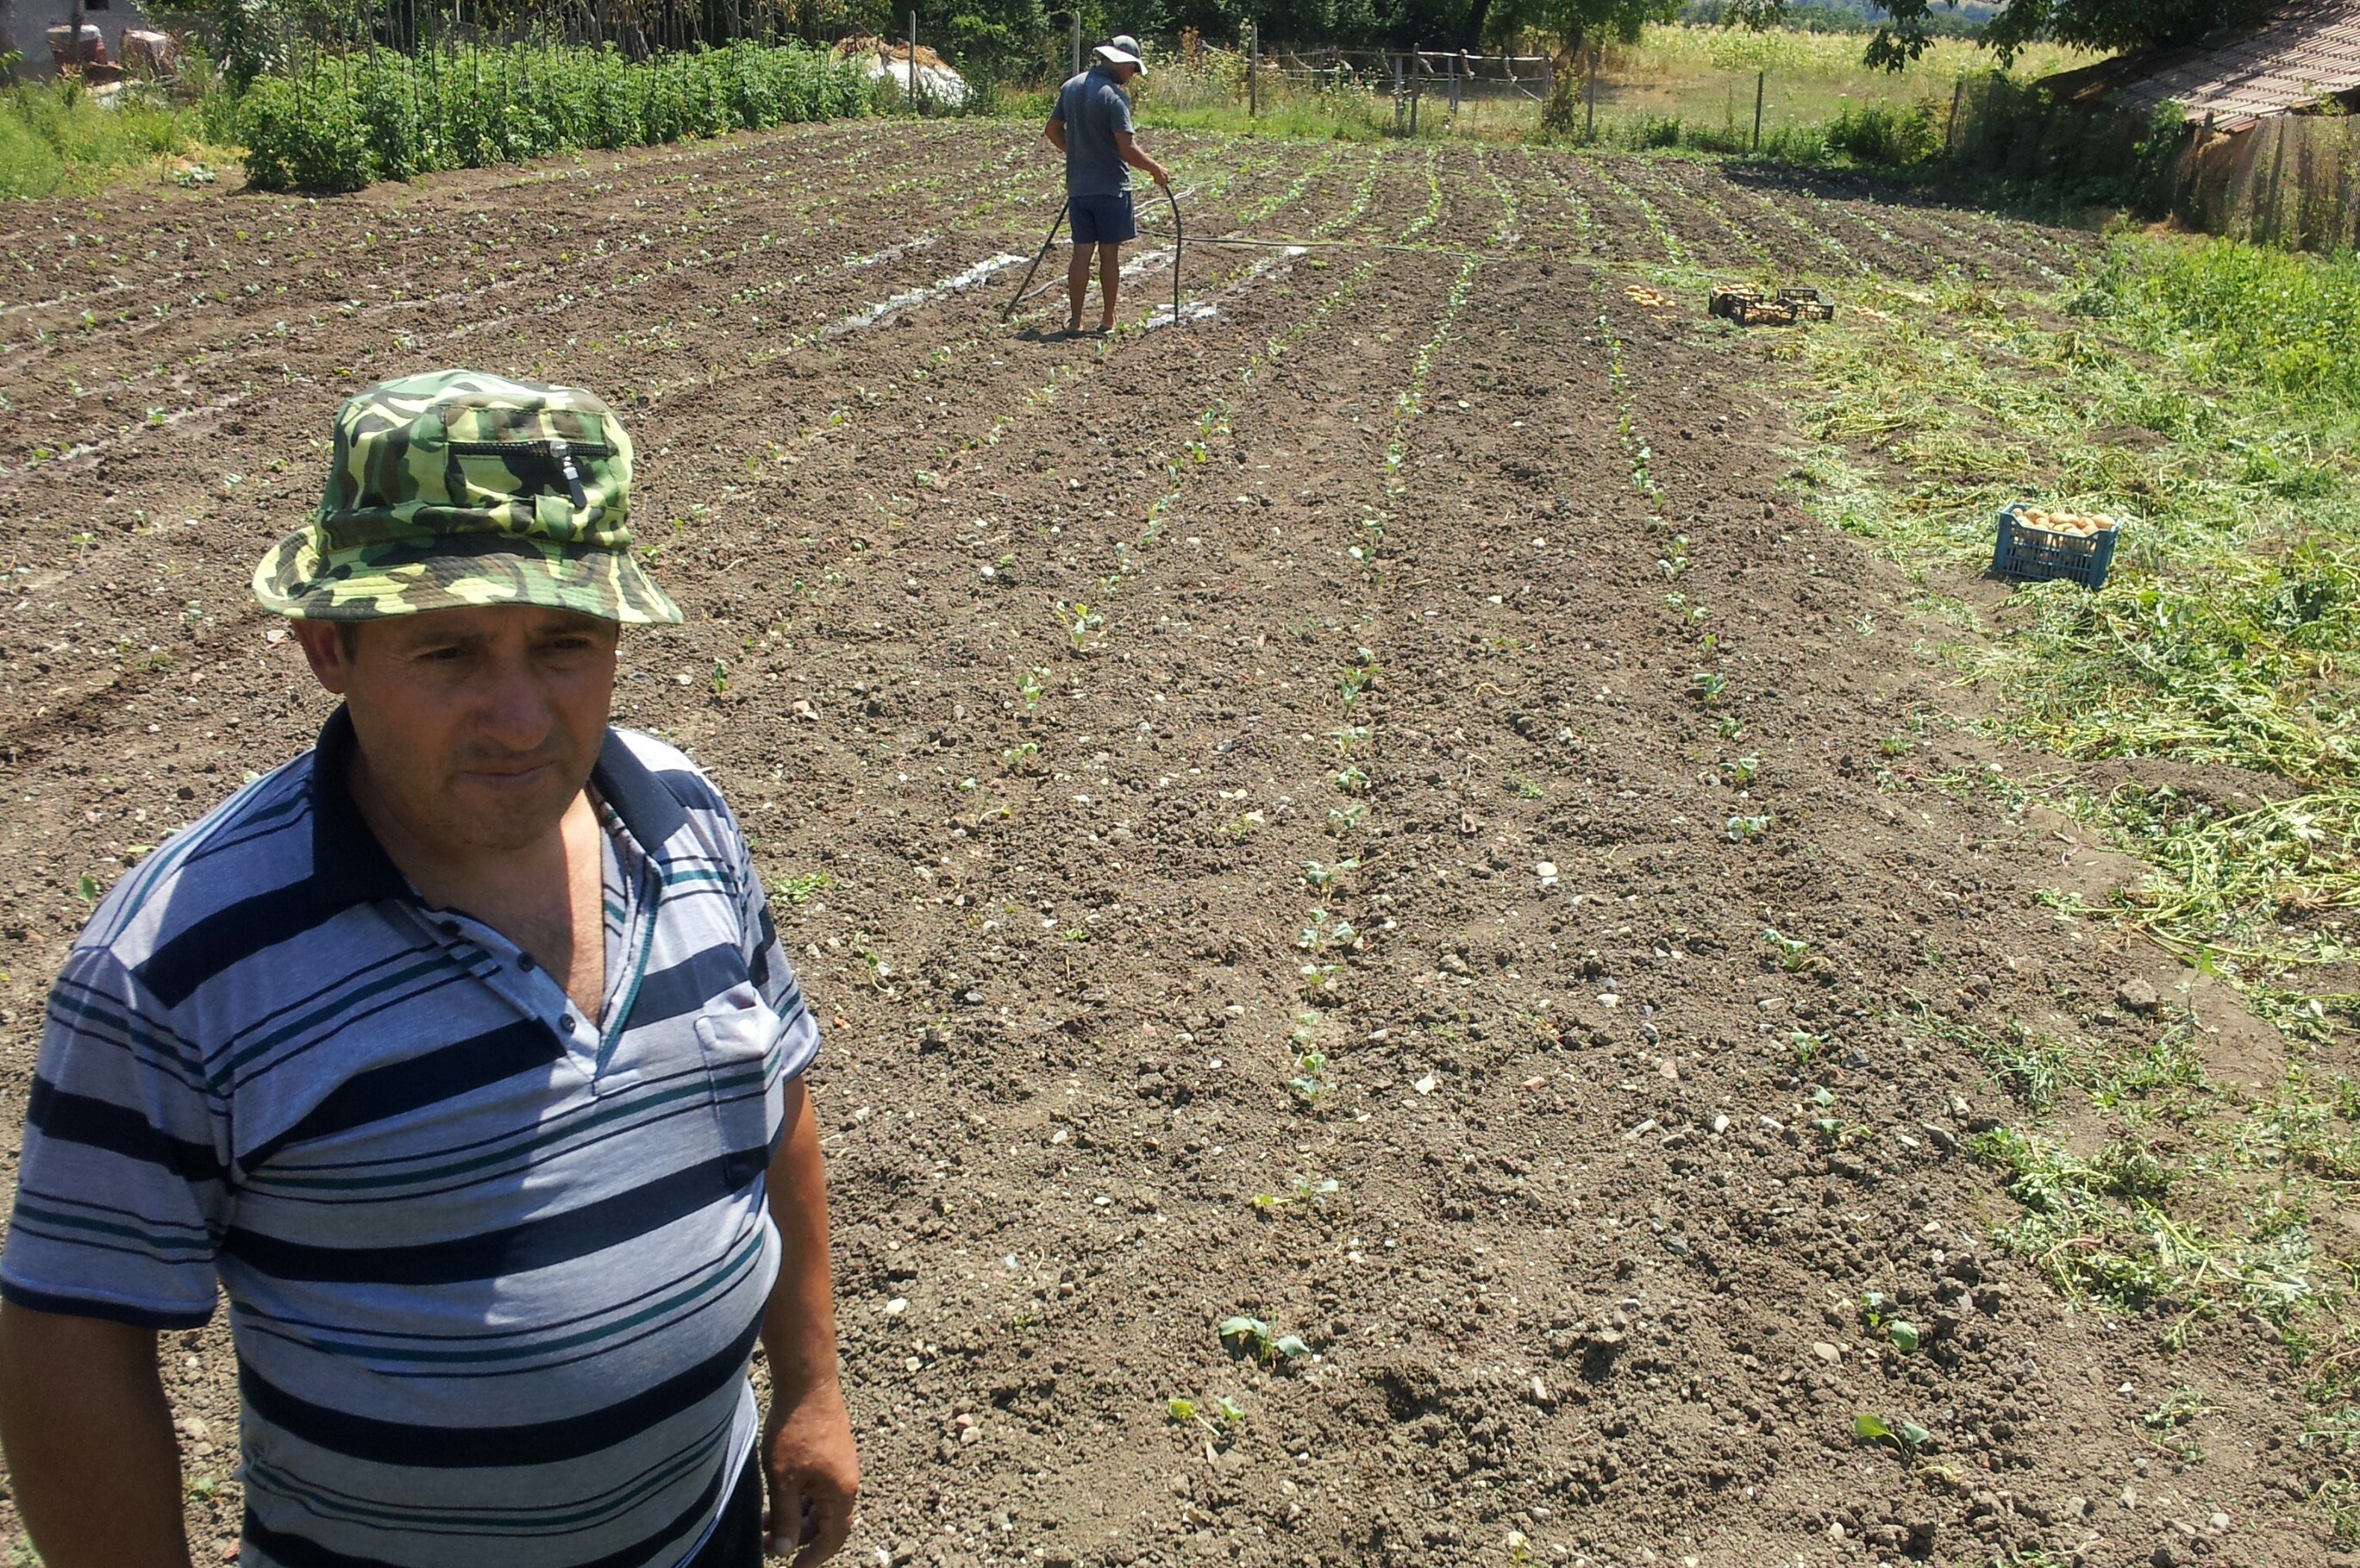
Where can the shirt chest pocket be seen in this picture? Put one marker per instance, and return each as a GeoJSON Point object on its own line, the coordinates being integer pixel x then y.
{"type": "Point", "coordinates": [736, 1034]}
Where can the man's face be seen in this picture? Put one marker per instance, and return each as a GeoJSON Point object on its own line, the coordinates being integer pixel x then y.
{"type": "Point", "coordinates": [477, 728]}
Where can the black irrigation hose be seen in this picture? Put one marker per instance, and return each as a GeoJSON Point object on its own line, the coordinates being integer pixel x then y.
{"type": "Point", "coordinates": [1037, 258]}
{"type": "Point", "coordinates": [1025, 290]}
{"type": "Point", "coordinates": [1174, 202]}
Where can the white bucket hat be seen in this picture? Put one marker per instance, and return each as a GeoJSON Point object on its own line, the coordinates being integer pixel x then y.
{"type": "Point", "coordinates": [1123, 50]}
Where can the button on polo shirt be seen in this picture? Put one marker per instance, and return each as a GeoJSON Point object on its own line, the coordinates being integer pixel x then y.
{"type": "Point", "coordinates": [495, 1268]}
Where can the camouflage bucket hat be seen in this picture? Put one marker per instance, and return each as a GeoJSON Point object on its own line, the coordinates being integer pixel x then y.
{"type": "Point", "coordinates": [458, 488]}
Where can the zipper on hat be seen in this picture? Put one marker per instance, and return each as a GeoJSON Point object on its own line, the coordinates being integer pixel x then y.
{"type": "Point", "coordinates": [559, 451]}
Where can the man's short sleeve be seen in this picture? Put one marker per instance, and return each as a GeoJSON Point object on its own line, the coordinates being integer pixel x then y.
{"type": "Point", "coordinates": [1118, 109]}
{"type": "Point", "coordinates": [766, 960]}
{"type": "Point", "coordinates": [122, 1195]}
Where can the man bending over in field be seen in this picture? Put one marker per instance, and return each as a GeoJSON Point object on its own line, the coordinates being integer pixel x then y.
{"type": "Point", "coordinates": [1091, 125]}
{"type": "Point", "coordinates": [461, 1054]}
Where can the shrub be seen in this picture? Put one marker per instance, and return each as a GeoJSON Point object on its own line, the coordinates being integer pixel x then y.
{"type": "Point", "coordinates": [388, 116]}
{"type": "Point", "coordinates": [1888, 136]}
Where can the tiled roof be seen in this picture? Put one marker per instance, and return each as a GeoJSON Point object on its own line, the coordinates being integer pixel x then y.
{"type": "Point", "coordinates": [2302, 51]}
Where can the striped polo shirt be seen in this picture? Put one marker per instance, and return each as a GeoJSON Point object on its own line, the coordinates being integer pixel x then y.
{"type": "Point", "coordinates": [495, 1269]}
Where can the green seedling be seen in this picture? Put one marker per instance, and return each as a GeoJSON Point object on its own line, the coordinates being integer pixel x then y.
{"type": "Point", "coordinates": [1311, 1083]}
{"type": "Point", "coordinates": [1029, 687]}
{"type": "Point", "coordinates": [1898, 743]}
{"type": "Point", "coordinates": [1526, 788]}
{"type": "Point", "coordinates": [1347, 740]}
{"type": "Point", "coordinates": [1743, 771]}
{"type": "Point", "coordinates": [1230, 1410]}
{"type": "Point", "coordinates": [719, 678]}
{"type": "Point", "coordinates": [1352, 781]}
{"type": "Point", "coordinates": [1806, 1046]}
{"type": "Point", "coordinates": [1794, 955]}
{"type": "Point", "coordinates": [1907, 1438]}
{"type": "Point", "coordinates": [803, 886]}
{"type": "Point", "coordinates": [1342, 820]}
{"type": "Point", "coordinates": [1180, 1410]}
{"type": "Point", "coordinates": [1674, 560]}
{"type": "Point", "coordinates": [1728, 727]}
{"type": "Point", "coordinates": [1023, 757]}
{"type": "Point", "coordinates": [86, 887]}
{"type": "Point", "coordinates": [1707, 685]}
{"type": "Point", "coordinates": [1325, 931]}
{"type": "Point", "coordinates": [1080, 622]}
{"type": "Point", "coordinates": [1743, 830]}
{"type": "Point", "coordinates": [1300, 1190]}
{"type": "Point", "coordinates": [1324, 877]}
{"type": "Point", "coordinates": [1243, 1335]}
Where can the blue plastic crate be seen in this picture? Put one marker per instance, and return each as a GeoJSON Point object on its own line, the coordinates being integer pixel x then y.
{"type": "Point", "coordinates": [2034, 555]}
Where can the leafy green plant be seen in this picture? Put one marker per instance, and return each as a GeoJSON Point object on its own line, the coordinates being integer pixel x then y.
{"type": "Point", "coordinates": [1080, 622]}
{"type": "Point", "coordinates": [388, 116]}
{"type": "Point", "coordinates": [1794, 953]}
{"type": "Point", "coordinates": [1905, 1438]}
{"type": "Point", "coordinates": [1254, 1337]}
{"type": "Point", "coordinates": [803, 886]}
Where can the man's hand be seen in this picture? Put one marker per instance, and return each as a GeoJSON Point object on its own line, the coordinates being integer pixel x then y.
{"type": "Point", "coordinates": [814, 1474]}
{"type": "Point", "coordinates": [1161, 175]}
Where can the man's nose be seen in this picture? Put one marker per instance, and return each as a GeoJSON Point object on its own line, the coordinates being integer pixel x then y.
{"type": "Point", "coordinates": [513, 710]}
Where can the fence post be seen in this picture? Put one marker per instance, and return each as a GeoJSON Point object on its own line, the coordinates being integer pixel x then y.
{"type": "Point", "coordinates": [1077, 43]}
{"type": "Point", "coordinates": [1761, 81]}
{"type": "Point", "coordinates": [1589, 125]}
{"type": "Point", "coordinates": [1454, 84]}
{"type": "Point", "coordinates": [914, 62]}
{"type": "Point", "coordinates": [1253, 69]}
{"type": "Point", "coordinates": [1394, 62]}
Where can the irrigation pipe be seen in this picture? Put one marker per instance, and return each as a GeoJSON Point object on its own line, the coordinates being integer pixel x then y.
{"type": "Point", "coordinates": [1058, 223]}
{"type": "Point", "coordinates": [1025, 290]}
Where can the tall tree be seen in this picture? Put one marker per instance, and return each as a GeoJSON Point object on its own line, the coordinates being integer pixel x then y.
{"type": "Point", "coordinates": [1573, 23]}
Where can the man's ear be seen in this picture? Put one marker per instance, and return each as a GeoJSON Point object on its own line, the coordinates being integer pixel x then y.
{"type": "Point", "coordinates": [323, 649]}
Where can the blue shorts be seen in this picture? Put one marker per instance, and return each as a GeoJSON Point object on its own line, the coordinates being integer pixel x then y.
{"type": "Point", "coordinates": [1102, 220]}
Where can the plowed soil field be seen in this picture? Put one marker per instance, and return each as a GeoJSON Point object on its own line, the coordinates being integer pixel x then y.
{"type": "Point", "coordinates": [1361, 812]}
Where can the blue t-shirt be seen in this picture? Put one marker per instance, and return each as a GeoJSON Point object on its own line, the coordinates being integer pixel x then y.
{"type": "Point", "coordinates": [1093, 107]}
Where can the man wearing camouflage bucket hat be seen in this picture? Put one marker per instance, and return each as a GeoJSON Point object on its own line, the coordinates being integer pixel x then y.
{"type": "Point", "coordinates": [462, 1055]}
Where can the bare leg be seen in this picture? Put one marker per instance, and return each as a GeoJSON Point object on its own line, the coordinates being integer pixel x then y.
{"type": "Point", "coordinates": [1078, 287]}
{"type": "Point", "coordinates": [1109, 282]}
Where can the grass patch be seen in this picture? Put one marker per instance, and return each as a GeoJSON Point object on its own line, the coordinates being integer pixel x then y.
{"type": "Point", "coordinates": [2205, 390]}
{"type": "Point", "coordinates": [56, 139]}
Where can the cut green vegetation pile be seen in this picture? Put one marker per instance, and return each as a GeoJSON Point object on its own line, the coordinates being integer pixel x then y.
{"type": "Point", "coordinates": [344, 123]}
{"type": "Point", "coordinates": [2208, 391]}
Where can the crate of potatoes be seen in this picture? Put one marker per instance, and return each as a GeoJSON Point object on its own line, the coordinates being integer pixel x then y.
{"type": "Point", "coordinates": [2036, 544]}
